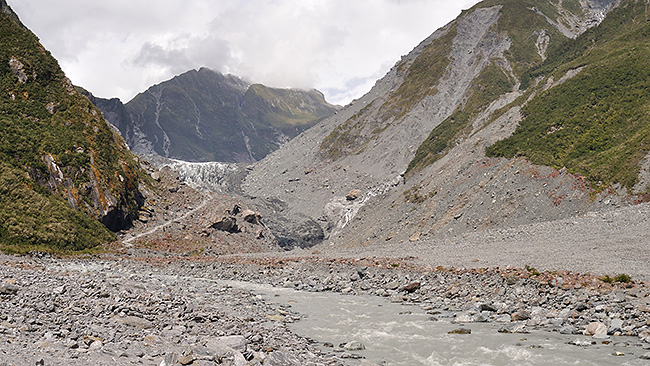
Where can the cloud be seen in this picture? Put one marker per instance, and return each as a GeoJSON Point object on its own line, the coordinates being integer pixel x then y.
{"type": "Point", "coordinates": [341, 47]}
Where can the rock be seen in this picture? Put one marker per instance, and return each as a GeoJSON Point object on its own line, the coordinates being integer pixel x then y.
{"type": "Point", "coordinates": [59, 290]}
{"type": "Point", "coordinates": [415, 237]}
{"type": "Point", "coordinates": [170, 359]}
{"type": "Point", "coordinates": [581, 306]}
{"type": "Point", "coordinates": [568, 329]}
{"type": "Point", "coordinates": [461, 331]}
{"type": "Point", "coordinates": [252, 217]}
{"type": "Point", "coordinates": [520, 315]}
{"type": "Point", "coordinates": [615, 326]}
{"type": "Point", "coordinates": [18, 69]}
{"type": "Point", "coordinates": [392, 285]}
{"type": "Point", "coordinates": [645, 356]}
{"type": "Point", "coordinates": [412, 287]}
{"type": "Point", "coordinates": [514, 328]}
{"type": "Point", "coordinates": [8, 289]}
{"type": "Point", "coordinates": [354, 346]}
{"type": "Point", "coordinates": [236, 342]}
{"type": "Point", "coordinates": [187, 359]}
{"type": "Point", "coordinates": [487, 307]}
{"type": "Point", "coordinates": [595, 328]}
{"type": "Point", "coordinates": [463, 318]}
{"type": "Point", "coordinates": [135, 321]}
{"type": "Point", "coordinates": [645, 336]}
{"type": "Point", "coordinates": [480, 318]}
{"type": "Point", "coordinates": [282, 358]}
{"type": "Point", "coordinates": [275, 318]}
{"type": "Point", "coordinates": [95, 345]}
{"type": "Point", "coordinates": [353, 194]}
{"type": "Point", "coordinates": [228, 224]}
{"type": "Point", "coordinates": [582, 342]}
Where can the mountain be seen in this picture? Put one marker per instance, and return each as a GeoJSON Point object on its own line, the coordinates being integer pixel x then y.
{"type": "Point", "coordinates": [515, 112]}
{"type": "Point", "coordinates": [206, 116]}
{"type": "Point", "coordinates": [66, 178]}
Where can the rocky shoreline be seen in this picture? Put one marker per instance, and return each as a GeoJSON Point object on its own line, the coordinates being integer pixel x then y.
{"type": "Point", "coordinates": [164, 311]}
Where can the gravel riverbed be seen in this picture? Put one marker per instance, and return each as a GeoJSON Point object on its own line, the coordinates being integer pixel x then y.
{"type": "Point", "coordinates": [163, 311]}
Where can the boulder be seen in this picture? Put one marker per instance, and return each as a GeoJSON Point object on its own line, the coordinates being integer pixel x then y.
{"type": "Point", "coordinates": [236, 342]}
{"type": "Point", "coordinates": [412, 287]}
{"type": "Point", "coordinates": [252, 217]}
{"type": "Point", "coordinates": [354, 346]}
{"type": "Point", "coordinates": [487, 307]}
{"type": "Point", "coordinates": [461, 331]}
{"type": "Point", "coordinates": [8, 289]}
{"type": "Point", "coordinates": [282, 358]}
{"type": "Point", "coordinates": [228, 224]}
{"type": "Point", "coordinates": [520, 315]}
{"type": "Point", "coordinates": [353, 194]}
{"type": "Point", "coordinates": [595, 329]}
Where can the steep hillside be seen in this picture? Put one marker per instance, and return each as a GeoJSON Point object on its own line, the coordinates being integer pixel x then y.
{"type": "Point", "coordinates": [597, 123]}
{"type": "Point", "coordinates": [63, 171]}
{"type": "Point", "coordinates": [407, 161]}
{"type": "Point", "coordinates": [206, 116]}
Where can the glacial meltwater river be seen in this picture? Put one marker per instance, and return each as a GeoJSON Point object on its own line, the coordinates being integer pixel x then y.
{"type": "Point", "coordinates": [397, 334]}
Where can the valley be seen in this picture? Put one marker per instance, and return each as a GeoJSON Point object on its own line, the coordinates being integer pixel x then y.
{"type": "Point", "coordinates": [496, 178]}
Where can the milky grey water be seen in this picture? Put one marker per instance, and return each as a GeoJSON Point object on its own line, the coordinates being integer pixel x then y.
{"type": "Point", "coordinates": [396, 334]}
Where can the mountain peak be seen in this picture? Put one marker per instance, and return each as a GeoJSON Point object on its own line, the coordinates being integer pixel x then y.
{"type": "Point", "coordinates": [204, 115]}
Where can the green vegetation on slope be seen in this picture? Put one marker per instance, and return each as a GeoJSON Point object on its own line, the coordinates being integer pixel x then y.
{"type": "Point", "coordinates": [420, 79]}
{"type": "Point", "coordinates": [517, 21]}
{"type": "Point", "coordinates": [54, 144]}
{"type": "Point", "coordinates": [487, 87]}
{"type": "Point", "coordinates": [284, 108]}
{"type": "Point", "coordinates": [522, 25]}
{"type": "Point", "coordinates": [597, 123]}
{"type": "Point", "coordinates": [34, 219]}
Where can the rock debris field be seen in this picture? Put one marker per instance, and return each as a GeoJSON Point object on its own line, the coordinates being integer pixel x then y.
{"type": "Point", "coordinates": [134, 309]}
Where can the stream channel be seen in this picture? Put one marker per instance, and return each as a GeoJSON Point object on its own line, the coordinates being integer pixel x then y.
{"type": "Point", "coordinates": [398, 334]}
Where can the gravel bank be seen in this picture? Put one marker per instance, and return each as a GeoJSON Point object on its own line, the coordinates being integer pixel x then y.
{"type": "Point", "coordinates": [601, 243]}
{"type": "Point", "coordinates": [117, 311]}
{"type": "Point", "coordinates": [88, 312]}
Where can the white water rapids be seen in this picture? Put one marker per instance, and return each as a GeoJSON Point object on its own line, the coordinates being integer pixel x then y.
{"type": "Point", "coordinates": [397, 334]}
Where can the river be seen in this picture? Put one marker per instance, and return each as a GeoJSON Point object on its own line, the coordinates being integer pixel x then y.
{"type": "Point", "coordinates": [398, 334]}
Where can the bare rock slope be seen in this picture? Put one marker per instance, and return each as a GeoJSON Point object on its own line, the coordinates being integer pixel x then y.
{"type": "Point", "coordinates": [464, 84]}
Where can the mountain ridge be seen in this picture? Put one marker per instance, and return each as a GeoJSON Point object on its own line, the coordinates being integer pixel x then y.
{"type": "Point", "coordinates": [202, 115]}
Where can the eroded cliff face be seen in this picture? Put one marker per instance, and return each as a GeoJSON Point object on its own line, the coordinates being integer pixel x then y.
{"type": "Point", "coordinates": [56, 147]}
{"type": "Point", "coordinates": [433, 114]}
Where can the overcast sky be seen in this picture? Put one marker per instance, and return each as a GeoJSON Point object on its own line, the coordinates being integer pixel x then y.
{"type": "Point", "coordinates": [119, 48]}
